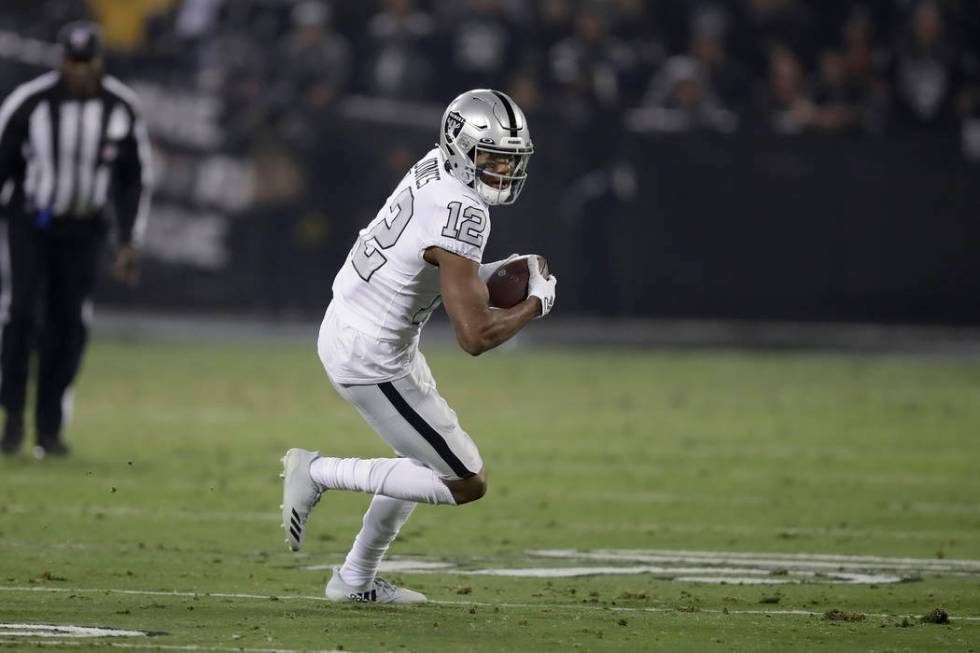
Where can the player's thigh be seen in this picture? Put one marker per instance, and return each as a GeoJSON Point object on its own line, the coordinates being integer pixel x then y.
{"type": "Point", "coordinates": [417, 423]}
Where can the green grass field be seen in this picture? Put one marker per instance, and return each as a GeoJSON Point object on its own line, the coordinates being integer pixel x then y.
{"type": "Point", "coordinates": [165, 517]}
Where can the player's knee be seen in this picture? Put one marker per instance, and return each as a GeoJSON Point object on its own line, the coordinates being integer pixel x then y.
{"type": "Point", "coordinates": [469, 489]}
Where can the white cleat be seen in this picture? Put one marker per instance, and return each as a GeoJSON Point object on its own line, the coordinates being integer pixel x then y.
{"type": "Point", "coordinates": [299, 494]}
{"type": "Point", "coordinates": [379, 591]}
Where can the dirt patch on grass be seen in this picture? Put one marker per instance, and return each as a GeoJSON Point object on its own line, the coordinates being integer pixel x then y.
{"type": "Point", "coordinates": [636, 596]}
{"type": "Point", "coordinates": [842, 615]}
{"type": "Point", "coordinates": [937, 616]}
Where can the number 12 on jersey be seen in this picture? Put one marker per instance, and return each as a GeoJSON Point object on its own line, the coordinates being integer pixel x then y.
{"type": "Point", "coordinates": [367, 257]}
{"type": "Point", "coordinates": [470, 230]}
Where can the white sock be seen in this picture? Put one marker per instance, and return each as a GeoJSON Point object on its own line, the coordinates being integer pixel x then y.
{"type": "Point", "coordinates": [382, 521]}
{"type": "Point", "coordinates": [398, 478]}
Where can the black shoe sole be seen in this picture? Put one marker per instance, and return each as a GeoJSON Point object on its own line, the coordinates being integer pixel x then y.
{"type": "Point", "coordinates": [51, 449]}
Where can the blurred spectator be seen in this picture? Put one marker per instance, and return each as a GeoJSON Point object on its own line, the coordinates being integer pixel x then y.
{"type": "Point", "coordinates": [837, 104]}
{"type": "Point", "coordinates": [589, 62]}
{"type": "Point", "coordinates": [681, 99]}
{"type": "Point", "coordinates": [586, 70]}
{"type": "Point", "coordinates": [41, 19]}
{"type": "Point", "coordinates": [553, 22]}
{"type": "Point", "coordinates": [968, 109]}
{"type": "Point", "coordinates": [195, 23]}
{"type": "Point", "coordinates": [401, 67]}
{"type": "Point", "coordinates": [632, 23]}
{"type": "Point", "coordinates": [766, 22]}
{"type": "Point", "coordinates": [864, 61]}
{"type": "Point", "coordinates": [788, 104]}
{"type": "Point", "coordinates": [241, 71]}
{"type": "Point", "coordinates": [525, 90]}
{"type": "Point", "coordinates": [861, 56]}
{"type": "Point", "coordinates": [311, 72]}
{"type": "Point", "coordinates": [728, 79]}
{"type": "Point", "coordinates": [924, 68]}
{"type": "Point", "coordinates": [484, 44]}
{"type": "Point", "coordinates": [197, 19]}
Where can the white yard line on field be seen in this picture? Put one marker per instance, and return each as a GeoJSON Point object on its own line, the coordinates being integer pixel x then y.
{"type": "Point", "coordinates": [66, 630]}
{"type": "Point", "coordinates": [167, 647]}
{"type": "Point", "coordinates": [462, 604]}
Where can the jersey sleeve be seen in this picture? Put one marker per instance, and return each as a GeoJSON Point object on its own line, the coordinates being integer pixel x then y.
{"type": "Point", "coordinates": [132, 176]}
{"type": "Point", "coordinates": [13, 133]}
{"type": "Point", "coordinates": [453, 222]}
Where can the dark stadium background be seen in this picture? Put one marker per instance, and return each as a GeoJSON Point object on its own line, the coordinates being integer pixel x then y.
{"type": "Point", "coordinates": [743, 159]}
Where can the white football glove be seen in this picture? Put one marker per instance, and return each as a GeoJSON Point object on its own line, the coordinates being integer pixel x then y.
{"type": "Point", "coordinates": [487, 269]}
{"type": "Point", "coordinates": [541, 287]}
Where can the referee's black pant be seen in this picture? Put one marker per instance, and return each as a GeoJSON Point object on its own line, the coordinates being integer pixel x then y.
{"type": "Point", "coordinates": [47, 275]}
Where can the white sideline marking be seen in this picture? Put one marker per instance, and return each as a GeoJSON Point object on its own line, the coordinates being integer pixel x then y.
{"type": "Point", "coordinates": [398, 564]}
{"type": "Point", "coordinates": [171, 647]}
{"type": "Point", "coordinates": [517, 606]}
{"type": "Point", "coordinates": [66, 630]}
{"type": "Point", "coordinates": [713, 567]}
{"type": "Point", "coordinates": [768, 560]}
{"type": "Point", "coordinates": [720, 575]}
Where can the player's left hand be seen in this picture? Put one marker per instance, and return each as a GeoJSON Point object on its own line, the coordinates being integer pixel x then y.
{"type": "Point", "coordinates": [542, 287]}
{"type": "Point", "coordinates": [126, 267]}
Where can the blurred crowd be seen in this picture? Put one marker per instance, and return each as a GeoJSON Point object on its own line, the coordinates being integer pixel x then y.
{"type": "Point", "coordinates": [664, 65]}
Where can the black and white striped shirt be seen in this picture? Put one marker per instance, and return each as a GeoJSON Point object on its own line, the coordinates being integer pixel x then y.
{"type": "Point", "coordinates": [64, 157]}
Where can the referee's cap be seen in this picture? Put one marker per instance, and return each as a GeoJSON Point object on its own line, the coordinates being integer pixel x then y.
{"type": "Point", "coordinates": [80, 41]}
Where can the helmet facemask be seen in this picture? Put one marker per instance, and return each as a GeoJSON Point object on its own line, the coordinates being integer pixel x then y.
{"type": "Point", "coordinates": [492, 184]}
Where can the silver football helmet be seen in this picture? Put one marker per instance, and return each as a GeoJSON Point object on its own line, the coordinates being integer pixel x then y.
{"type": "Point", "coordinates": [487, 144]}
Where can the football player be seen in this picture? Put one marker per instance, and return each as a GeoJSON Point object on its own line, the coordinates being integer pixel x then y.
{"type": "Point", "coordinates": [424, 247]}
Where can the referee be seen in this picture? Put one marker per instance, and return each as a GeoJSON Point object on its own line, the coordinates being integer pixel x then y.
{"type": "Point", "coordinates": [73, 157]}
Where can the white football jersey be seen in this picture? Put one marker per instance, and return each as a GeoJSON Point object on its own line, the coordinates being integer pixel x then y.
{"type": "Point", "coordinates": [386, 291]}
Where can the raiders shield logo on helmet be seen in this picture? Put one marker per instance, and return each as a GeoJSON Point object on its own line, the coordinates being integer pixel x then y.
{"type": "Point", "coordinates": [454, 124]}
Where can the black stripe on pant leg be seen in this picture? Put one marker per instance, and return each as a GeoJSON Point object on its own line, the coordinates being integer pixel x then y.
{"type": "Point", "coordinates": [430, 434]}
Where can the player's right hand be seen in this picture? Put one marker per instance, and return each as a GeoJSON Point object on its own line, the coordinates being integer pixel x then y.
{"type": "Point", "coordinates": [541, 287]}
{"type": "Point", "coordinates": [487, 269]}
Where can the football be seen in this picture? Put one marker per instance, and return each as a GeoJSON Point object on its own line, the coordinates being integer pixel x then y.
{"type": "Point", "coordinates": [508, 284]}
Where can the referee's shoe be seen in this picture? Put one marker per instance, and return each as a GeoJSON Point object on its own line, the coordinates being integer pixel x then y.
{"type": "Point", "coordinates": [49, 445]}
{"type": "Point", "coordinates": [13, 434]}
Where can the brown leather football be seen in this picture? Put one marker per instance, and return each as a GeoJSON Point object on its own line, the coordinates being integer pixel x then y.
{"type": "Point", "coordinates": [508, 284]}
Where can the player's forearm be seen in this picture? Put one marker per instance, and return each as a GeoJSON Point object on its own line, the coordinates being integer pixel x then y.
{"type": "Point", "coordinates": [495, 326]}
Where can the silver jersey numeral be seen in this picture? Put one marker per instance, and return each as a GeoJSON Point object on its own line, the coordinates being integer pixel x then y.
{"type": "Point", "coordinates": [366, 256]}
